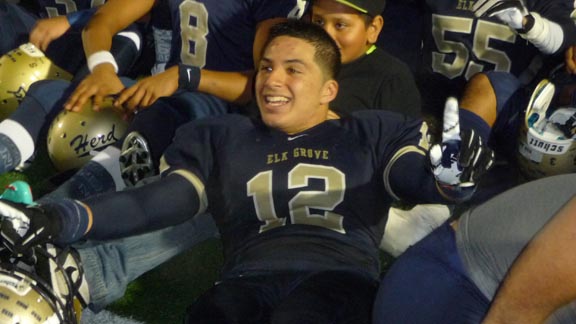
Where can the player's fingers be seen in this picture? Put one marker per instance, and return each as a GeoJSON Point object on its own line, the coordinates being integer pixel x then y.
{"type": "Point", "coordinates": [148, 99]}
{"type": "Point", "coordinates": [44, 43]}
{"type": "Point", "coordinates": [81, 99]}
{"type": "Point", "coordinates": [134, 102]}
{"type": "Point", "coordinates": [469, 146]}
{"type": "Point", "coordinates": [125, 95]}
{"type": "Point", "coordinates": [76, 102]}
{"type": "Point", "coordinates": [34, 38]}
{"type": "Point", "coordinates": [435, 154]}
{"type": "Point", "coordinates": [451, 121]}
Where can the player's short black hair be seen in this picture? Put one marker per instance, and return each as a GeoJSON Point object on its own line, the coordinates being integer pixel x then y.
{"type": "Point", "coordinates": [327, 54]}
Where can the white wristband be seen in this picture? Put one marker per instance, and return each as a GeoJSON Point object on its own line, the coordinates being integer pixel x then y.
{"type": "Point", "coordinates": [101, 57]}
{"type": "Point", "coordinates": [545, 35]}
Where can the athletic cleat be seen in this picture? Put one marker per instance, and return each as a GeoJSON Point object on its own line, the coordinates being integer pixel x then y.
{"type": "Point", "coordinates": [538, 104]}
{"type": "Point", "coordinates": [135, 160]}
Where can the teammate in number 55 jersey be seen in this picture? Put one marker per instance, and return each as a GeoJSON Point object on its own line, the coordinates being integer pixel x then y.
{"type": "Point", "coordinates": [462, 38]}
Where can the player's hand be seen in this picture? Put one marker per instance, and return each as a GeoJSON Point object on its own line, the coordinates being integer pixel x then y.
{"type": "Point", "coordinates": [47, 30]}
{"type": "Point", "coordinates": [510, 12]}
{"type": "Point", "coordinates": [102, 82]}
{"type": "Point", "coordinates": [461, 158]}
{"type": "Point", "coordinates": [148, 90]}
{"type": "Point", "coordinates": [26, 226]}
{"type": "Point", "coordinates": [570, 59]}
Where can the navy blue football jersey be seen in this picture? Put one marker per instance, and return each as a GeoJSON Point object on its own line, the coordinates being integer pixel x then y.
{"type": "Point", "coordinates": [456, 45]}
{"type": "Point", "coordinates": [320, 197]}
{"type": "Point", "coordinates": [219, 35]}
{"type": "Point", "coordinates": [53, 8]}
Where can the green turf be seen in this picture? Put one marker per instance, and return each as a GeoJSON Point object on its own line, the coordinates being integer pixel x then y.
{"type": "Point", "coordinates": [162, 295]}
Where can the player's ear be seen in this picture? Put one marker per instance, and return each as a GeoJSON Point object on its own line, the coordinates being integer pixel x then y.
{"type": "Point", "coordinates": [374, 29]}
{"type": "Point", "coordinates": [329, 91]}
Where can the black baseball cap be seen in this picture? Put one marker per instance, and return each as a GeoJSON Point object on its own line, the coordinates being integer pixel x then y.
{"type": "Point", "coordinates": [369, 7]}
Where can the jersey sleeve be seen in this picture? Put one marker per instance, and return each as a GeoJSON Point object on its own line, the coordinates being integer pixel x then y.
{"type": "Point", "coordinates": [190, 151]}
{"type": "Point", "coordinates": [562, 12]}
{"type": "Point", "coordinates": [402, 146]}
{"type": "Point", "coordinates": [267, 9]}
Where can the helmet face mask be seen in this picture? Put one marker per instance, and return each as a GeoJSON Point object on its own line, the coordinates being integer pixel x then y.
{"type": "Point", "coordinates": [20, 68]}
{"type": "Point", "coordinates": [27, 298]}
{"type": "Point", "coordinates": [74, 137]}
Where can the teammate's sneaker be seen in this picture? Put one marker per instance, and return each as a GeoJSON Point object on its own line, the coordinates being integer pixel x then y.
{"type": "Point", "coordinates": [538, 105]}
{"type": "Point", "coordinates": [135, 159]}
{"type": "Point", "coordinates": [405, 228]}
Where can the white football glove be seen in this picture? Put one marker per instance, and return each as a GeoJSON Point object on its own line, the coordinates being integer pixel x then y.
{"type": "Point", "coordinates": [461, 158]}
{"type": "Point", "coordinates": [510, 12]}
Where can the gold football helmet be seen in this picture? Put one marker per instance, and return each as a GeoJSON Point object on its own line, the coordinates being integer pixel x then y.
{"type": "Point", "coordinates": [74, 137]}
{"type": "Point", "coordinates": [25, 300]}
{"type": "Point", "coordinates": [20, 68]}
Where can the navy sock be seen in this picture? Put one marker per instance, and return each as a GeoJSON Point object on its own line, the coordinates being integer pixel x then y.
{"type": "Point", "coordinates": [9, 154]}
{"type": "Point", "coordinates": [469, 120]}
{"type": "Point", "coordinates": [74, 220]}
{"type": "Point", "coordinates": [90, 180]}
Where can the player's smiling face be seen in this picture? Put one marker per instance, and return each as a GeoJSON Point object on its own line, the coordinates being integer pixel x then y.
{"type": "Point", "coordinates": [291, 89]}
{"type": "Point", "coordinates": [347, 27]}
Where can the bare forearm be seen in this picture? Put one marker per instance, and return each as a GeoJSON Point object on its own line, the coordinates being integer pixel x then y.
{"type": "Point", "coordinates": [543, 277]}
{"type": "Point", "coordinates": [235, 87]}
{"type": "Point", "coordinates": [112, 17]}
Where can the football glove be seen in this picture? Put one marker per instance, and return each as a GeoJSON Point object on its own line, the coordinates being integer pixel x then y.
{"type": "Point", "coordinates": [510, 12]}
{"type": "Point", "coordinates": [461, 158]}
{"type": "Point", "coordinates": [26, 226]}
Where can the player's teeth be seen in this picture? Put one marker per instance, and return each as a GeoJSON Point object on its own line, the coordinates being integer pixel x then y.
{"type": "Point", "coordinates": [276, 99]}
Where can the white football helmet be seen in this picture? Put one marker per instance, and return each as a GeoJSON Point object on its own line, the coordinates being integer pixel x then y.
{"type": "Point", "coordinates": [547, 143]}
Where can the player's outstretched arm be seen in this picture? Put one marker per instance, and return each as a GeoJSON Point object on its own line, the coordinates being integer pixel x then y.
{"type": "Point", "coordinates": [146, 208]}
{"type": "Point", "coordinates": [112, 17]}
{"type": "Point", "coordinates": [543, 277]}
